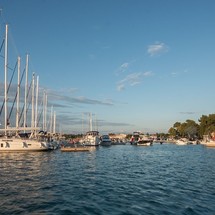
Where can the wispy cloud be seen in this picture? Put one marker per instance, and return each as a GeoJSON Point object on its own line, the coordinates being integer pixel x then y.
{"type": "Point", "coordinates": [188, 112]}
{"type": "Point", "coordinates": [122, 68]}
{"type": "Point", "coordinates": [132, 80]}
{"type": "Point", "coordinates": [71, 100]}
{"type": "Point", "coordinates": [157, 48]}
{"type": "Point", "coordinates": [174, 74]}
{"type": "Point", "coordinates": [105, 123]}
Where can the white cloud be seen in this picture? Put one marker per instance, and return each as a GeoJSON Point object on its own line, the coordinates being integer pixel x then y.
{"type": "Point", "coordinates": [149, 73]}
{"type": "Point", "coordinates": [188, 112]}
{"type": "Point", "coordinates": [122, 68]}
{"type": "Point", "coordinates": [121, 87]}
{"type": "Point", "coordinates": [157, 49]}
{"type": "Point", "coordinates": [179, 72]}
{"type": "Point", "coordinates": [132, 80]}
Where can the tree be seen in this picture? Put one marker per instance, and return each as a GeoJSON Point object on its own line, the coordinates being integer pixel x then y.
{"type": "Point", "coordinates": [207, 124]}
{"type": "Point", "coordinates": [187, 129]}
{"type": "Point", "coordinates": [172, 132]}
{"type": "Point", "coordinates": [191, 129]}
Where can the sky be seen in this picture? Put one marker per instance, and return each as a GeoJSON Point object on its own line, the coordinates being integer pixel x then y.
{"type": "Point", "coordinates": [135, 65]}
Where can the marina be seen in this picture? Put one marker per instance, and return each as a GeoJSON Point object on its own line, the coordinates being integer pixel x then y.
{"type": "Point", "coordinates": [17, 135]}
{"type": "Point", "coordinates": [128, 137]}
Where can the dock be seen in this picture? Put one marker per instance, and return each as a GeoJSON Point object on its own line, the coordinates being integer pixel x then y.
{"type": "Point", "coordinates": [75, 149]}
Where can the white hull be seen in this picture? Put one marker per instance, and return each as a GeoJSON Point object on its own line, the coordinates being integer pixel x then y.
{"type": "Point", "coordinates": [211, 144]}
{"type": "Point", "coordinates": [91, 144]}
{"type": "Point", "coordinates": [181, 142]}
{"type": "Point", "coordinates": [208, 143]}
{"type": "Point", "coordinates": [17, 144]}
{"type": "Point", "coordinates": [144, 143]}
{"type": "Point", "coordinates": [91, 139]}
{"type": "Point", "coordinates": [117, 142]}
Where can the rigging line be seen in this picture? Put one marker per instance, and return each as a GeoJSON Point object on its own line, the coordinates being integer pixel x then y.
{"type": "Point", "coordinates": [16, 94]}
{"type": "Point", "coordinates": [8, 87]}
{"type": "Point", "coordinates": [2, 44]}
{"type": "Point", "coordinates": [24, 104]}
{"type": "Point", "coordinates": [40, 114]}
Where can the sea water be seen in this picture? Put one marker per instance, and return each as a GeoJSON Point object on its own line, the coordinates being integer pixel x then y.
{"type": "Point", "coordinates": [124, 179]}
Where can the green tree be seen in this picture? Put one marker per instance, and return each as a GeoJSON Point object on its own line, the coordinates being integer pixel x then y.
{"type": "Point", "coordinates": [207, 125]}
{"type": "Point", "coordinates": [172, 132]}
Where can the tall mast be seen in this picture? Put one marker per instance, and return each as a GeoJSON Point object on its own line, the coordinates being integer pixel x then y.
{"type": "Point", "coordinates": [5, 81]}
{"type": "Point", "coordinates": [82, 123]}
{"type": "Point", "coordinates": [51, 120]}
{"type": "Point", "coordinates": [46, 102]}
{"type": "Point", "coordinates": [18, 95]}
{"type": "Point", "coordinates": [32, 104]}
{"type": "Point", "coordinates": [44, 111]}
{"type": "Point", "coordinates": [26, 90]}
{"type": "Point", "coordinates": [96, 126]}
{"type": "Point", "coordinates": [54, 124]}
{"type": "Point", "coordinates": [91, 123]}
{"type": "Point", "coordinates": [37, 94]}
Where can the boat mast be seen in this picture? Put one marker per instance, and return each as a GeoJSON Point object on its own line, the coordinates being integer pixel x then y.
{"type": "Point", "coordinates": [54, 124]}
{"type": "Point", "coordinates": [82, 124]}
{"type": "Point", "coordinates": [26, 89]}
{"type": "Point", "coordinates": [91, 124]}
{"type": "Point", "coordinates": [51, 120]}
{"type": "Point", "coordinates": [37, 94]}
{"type": "Point", "coordinates": [32, 104]}
{"type": "Point", "coordinates": [46, 100]}
{"type": "Point", "coordinates": [18, 96]}
{"type": "Point", "coordinates": [96, 126]}
{"type": "Point", "coordinates": [44, 111]}
{"type": "Point", "coordinates": [5, 72]}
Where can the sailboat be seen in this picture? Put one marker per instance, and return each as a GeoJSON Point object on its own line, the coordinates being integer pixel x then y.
{"type": "Point", "coordinates": [20, 138]}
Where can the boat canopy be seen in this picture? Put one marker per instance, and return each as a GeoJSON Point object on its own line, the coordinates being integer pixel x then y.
{"type": "Point", "coordinates": [93, 133]}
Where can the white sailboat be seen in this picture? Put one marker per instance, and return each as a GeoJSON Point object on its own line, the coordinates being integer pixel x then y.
{"type": "Point", "coordinates": [19, 138]}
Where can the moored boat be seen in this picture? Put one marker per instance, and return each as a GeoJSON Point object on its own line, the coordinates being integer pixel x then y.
{"type": "Point", "coordinates": [144, 143]}
{"type": "Point", "coordinates": [210, 144]}
{"type": "Point", "coordinates": [91, 139]}
{"type": "Point", "coordinates": [141, 139]}
{"type": "Point", "coordinates": [181, 142]}
{"type": "Point", "coordinates": [105, 140]}
{"type": "Point", "coordinates": [12, 138]}
{"type": "Point", "coordinates": [208, 141]}
{"type": "Point", "coordinates": [10, 144]}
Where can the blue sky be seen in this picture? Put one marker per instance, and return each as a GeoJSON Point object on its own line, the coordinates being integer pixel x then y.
{"type": "Point", "coordinates": [134, 64]}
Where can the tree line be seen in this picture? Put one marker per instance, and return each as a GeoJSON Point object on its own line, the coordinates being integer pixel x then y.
{"type": "Point", "coordinates": [192, 130]}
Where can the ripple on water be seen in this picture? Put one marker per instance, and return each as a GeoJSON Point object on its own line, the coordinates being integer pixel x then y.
{"type": "Point", "coordinates": [162, 179]}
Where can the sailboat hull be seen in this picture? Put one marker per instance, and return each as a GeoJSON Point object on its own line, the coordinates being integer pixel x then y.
{"type": "Point", "coordinates": [16, 144]}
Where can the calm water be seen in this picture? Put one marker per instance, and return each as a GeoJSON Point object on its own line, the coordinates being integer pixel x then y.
{"type": "Point", "coordinates": [162, 179]}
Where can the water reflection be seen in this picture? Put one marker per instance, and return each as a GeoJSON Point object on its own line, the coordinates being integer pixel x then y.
{"type": "Point", "coordinates": [163, 179]}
